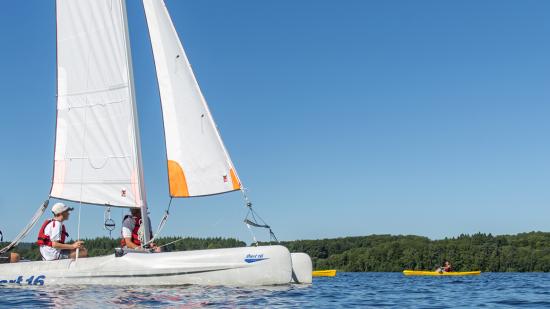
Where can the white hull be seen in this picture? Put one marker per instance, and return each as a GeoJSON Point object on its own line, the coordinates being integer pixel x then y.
{"type": "Point", "coordinates": [265, 265]}
{"type": "Point", "coordinates": [302, 268]}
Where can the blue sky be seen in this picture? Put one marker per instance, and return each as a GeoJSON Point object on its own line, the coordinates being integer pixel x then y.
{"type": "Point", "coordinates": [342, 117]}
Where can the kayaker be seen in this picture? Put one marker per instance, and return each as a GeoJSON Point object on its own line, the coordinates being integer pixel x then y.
{"type": "Point", "coordinates": [52, 235]}
{"type": "Point", "coordinates": [131, 231]}
{"type": "Point", "coordinates": [447, 267]}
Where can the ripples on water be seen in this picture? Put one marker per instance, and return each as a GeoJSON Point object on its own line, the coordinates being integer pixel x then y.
{"type": "Point", "coordinates": [505, 290]}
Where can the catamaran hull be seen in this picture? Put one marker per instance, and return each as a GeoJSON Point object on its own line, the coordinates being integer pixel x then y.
{"type": "Point", "coordinates": [249, 266]}
{"type": "Point", "coordinates": [301, 268]}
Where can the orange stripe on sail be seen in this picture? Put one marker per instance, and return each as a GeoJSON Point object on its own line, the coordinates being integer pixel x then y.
{"type": "Point", "coordinates": [177, 182]}
{"type": "Point", "coordinates": [234, 180]}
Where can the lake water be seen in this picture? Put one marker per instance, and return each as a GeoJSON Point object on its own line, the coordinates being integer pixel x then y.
{"type": "Point", "coordinates": [491, 290]}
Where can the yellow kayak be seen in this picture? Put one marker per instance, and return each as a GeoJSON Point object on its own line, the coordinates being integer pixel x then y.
{"type": "Point", "coordinates": [435, 273]}
{"type": "Point", "coordinates": [324, 273]}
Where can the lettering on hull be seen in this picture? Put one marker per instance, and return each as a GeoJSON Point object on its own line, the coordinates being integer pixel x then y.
{"type": "Point", "coordinates": [20, 280]}
{"type": "Point", "coordinates": [252, 258]}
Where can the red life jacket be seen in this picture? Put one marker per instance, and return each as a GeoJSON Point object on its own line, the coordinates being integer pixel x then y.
{"type": "Point", "coordinates": [135, 236]}
{"type": "Point", "coordinates": [44, 240]}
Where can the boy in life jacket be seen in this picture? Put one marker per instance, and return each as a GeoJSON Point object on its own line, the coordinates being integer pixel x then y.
{"type": "Point", "coordinates": [52, 236]}
{"type": "Point", "coordinates": [131, 231]}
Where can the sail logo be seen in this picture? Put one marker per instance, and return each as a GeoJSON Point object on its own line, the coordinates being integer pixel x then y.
{"type": "Point", "coordinates": [252, 258]}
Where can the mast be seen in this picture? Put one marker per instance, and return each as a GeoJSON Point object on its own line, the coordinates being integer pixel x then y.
{"type": "Point", "coordinates": [144, 213]}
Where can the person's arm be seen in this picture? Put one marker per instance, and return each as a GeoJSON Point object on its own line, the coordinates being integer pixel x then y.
{"type": "Point", "coordinates": [130, 244]}
{"type": "Point", "coordinates": [76, 245]}
{"type": "Point", "coordinates": [55, 233]}
{"type": "Point", "coordinates": [127, 227]}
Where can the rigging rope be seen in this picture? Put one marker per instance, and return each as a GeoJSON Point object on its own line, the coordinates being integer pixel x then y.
{"type": "Point", "coordinates": [172, 242]}
{"type": "Point", "coordinates": [161, 224]}
{"type": "Point", "coordinates": [78, 231]}
{"type": "Point", "coordinates": [82, 168]}
{"type": "Point", "coordinates": [251, 220]}
{"type": "Point", "coordinates": [27, 229]}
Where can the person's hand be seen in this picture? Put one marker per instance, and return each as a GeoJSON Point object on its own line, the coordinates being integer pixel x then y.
{"type": "Point", "coordinates": [78, 245]}
{"type": "Point", "coordinates": [155, 248]}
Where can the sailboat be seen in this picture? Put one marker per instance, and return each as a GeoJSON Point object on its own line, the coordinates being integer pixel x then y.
{"type": "Point", "coordinates": [97, 157]}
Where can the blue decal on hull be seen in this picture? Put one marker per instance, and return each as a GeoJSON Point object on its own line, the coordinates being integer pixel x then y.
{"type": "Point", "coordinates": [252, 258]}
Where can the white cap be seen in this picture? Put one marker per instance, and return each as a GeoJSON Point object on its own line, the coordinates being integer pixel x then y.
{"type": "Point", "coordinates": [60, 208]}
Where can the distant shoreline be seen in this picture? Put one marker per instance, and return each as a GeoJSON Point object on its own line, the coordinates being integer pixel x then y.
{"type": "Point", "coordinates": [524, 252]}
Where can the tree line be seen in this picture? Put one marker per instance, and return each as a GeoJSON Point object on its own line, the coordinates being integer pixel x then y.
{"type": "Point", "coordinates": [523, 252]}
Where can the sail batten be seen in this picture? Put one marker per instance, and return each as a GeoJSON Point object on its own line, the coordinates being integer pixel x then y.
{"type": "Point", "coordinates": [97, 158]}
{"type": "Point", "coordinates": [197, 160]}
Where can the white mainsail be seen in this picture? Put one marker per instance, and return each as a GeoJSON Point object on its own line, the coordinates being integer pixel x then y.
{"type": "Point", "coordinates": [198, 163]}
{"type": "Point", "coordinates": [97, 150]}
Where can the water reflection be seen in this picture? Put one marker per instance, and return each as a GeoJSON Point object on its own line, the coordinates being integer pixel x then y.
{"type": "Point", "coordinates": [130, 297]}
{"type": "Point", "coordinates": [346, 290]}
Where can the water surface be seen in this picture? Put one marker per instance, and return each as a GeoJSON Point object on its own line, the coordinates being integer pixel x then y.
{"type": "Point", "coordinates": [386, 290]}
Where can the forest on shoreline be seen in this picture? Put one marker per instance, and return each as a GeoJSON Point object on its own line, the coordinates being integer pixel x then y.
{"type": "Point", "coordinates": [525, 252]}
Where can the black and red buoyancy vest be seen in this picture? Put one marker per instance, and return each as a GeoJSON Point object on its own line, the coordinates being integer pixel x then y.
{"type": "Point", "coordinates": [44, 240]}
{"type": "Point", "coordinates": [135, 232]}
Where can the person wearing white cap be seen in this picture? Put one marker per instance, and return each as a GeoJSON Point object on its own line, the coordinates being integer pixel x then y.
{"type": "Point", "coordinates": [52, 236]}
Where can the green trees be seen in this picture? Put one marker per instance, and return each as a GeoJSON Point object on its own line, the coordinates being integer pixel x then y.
{"type": "Point", "coordinates": [485, 252]}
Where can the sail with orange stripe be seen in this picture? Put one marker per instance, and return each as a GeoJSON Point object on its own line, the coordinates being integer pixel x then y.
{"type": "Point", "coordinates": [198, 162]}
